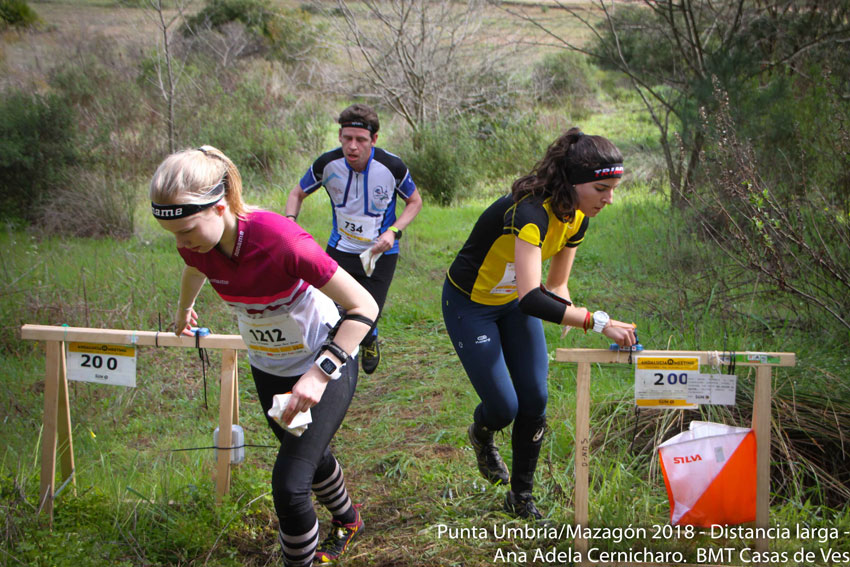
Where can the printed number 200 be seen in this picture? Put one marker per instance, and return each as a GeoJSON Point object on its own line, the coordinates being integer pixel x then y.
{"type": "Point", "coordinates": [672, 378]}
{"type": "Point", "coordinates": [97, 362]}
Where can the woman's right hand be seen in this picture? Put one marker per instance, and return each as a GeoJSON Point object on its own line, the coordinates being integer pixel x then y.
{"type": "Point", "coordinates": [184, 320]}
{"type": "Point", "coordinates": [306, 393]}
{"type": "Point", "coordinates": [621, 333]}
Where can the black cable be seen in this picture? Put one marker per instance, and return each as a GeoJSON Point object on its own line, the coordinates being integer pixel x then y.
{"type": "Point", "coordinates": [205, 359]}
{"type": "Point", "coordinates": [223, 448]}
{"type": "Point", "coordinates": [730, 368]}
{"type": "Point", "coordinates": [634, 432]}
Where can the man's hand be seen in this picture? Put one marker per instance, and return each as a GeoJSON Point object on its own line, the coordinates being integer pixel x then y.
{"type": "Point", "coordinates": [384, 242]}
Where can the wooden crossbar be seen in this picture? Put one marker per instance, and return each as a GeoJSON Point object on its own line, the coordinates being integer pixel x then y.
{"type": "Point", "coordinates": [762, 361]}
{"type": "Point", "coordinates": [122, 337]}
{"type": "Point", "coordinates": [56, 434]}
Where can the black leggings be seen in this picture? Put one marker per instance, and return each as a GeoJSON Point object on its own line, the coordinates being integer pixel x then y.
{"type": "Point", "coordinates": [306, 460]}
{"type": "Point", "coordinates": [378, 284]}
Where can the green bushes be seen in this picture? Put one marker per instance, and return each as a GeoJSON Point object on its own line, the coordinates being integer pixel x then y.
{"type": "Point", "coordinates": [76, 160]}
{"type": "Point", "coordinates": [243, 111]}
{"type": "Point", "coordinates": [217, 13]}
{"type": "Point", "coordinates": [440, 161]}
{"type": "Point", "coordinates": [17, 13]}
{"type": "Point", "coordinates": [449, 159]}
{"type": "Point", "coordinates": [70, 159]}
{"type": "Point", "coordinates": [285, 35]}
{"type": "Point", "coordinates": [37, 146]}
{"type": "Point", "coordinates": [95, 203]}
{"type": "Point", "coordinates": [561, 75]}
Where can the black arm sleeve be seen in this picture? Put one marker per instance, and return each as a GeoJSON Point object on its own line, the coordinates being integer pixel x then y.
{"type": "Point", "coordinates": [542, 303]}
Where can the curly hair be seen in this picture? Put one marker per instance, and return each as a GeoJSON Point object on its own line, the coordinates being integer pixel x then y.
{"type": "Point", "coordinates": [550, 177]}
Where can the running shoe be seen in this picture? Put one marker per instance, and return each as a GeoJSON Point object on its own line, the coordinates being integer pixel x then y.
{"type": "Point", "coordinates": [337, 540]}
{"type": "Point", "coordinates": [370, 357]}
{"type": "Point", "coordinates": [522, 506]}
{"type": "Point", "coordinates": [490, 463]}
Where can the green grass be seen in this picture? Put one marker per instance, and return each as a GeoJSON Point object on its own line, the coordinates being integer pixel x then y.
{"type": "Point", "coordinates": [403, 443]}
{"type": "Point", "coordinates": [140, 501]}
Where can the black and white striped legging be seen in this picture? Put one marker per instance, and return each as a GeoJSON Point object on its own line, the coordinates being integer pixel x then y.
{"type": "Point", "coordinates": [305, 464]}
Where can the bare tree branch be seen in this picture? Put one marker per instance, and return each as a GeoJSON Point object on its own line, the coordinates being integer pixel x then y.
{"type": "Point", "coordinates": [422, 56]}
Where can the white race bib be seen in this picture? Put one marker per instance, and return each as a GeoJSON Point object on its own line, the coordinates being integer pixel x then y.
{"type": "Point", "coordinates": [272, 337]}
{"type": "Point", "coordinates": [507, 285]}
{"type": "Point", "coordinates": [358, 229]}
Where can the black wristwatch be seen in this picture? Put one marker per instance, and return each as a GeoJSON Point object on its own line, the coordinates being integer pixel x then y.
{"type": "Point", "coordinates": [396, 231]}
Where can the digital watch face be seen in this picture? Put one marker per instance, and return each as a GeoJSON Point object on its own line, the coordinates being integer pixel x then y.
{"type": "Point", "coordinates": [328, 367]}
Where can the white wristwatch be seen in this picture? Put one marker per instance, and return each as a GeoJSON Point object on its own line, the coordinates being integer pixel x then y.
{"type": "Point", "coordinates": [600, 320]}
{"type": "Point", "coordinates": [329, 367]}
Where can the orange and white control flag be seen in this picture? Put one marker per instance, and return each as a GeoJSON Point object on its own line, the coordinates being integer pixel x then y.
{"type": "Point", "coordinates": [710, 474]}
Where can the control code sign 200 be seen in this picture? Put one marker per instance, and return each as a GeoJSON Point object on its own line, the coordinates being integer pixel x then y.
{"type": "Point", "coordinates": [103, 364]}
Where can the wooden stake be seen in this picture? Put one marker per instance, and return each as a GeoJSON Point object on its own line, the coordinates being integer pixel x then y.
{"type": "Point", "coordinates": [761, 426]}
{"type": "Point", "coordinates": [582, 454]}
{"type": "Point", "coordinates": [228, 413]}
{"type": "Point", "coordinates": [49, 432]}
{"type": "Point", "coordinates": [65, 442]}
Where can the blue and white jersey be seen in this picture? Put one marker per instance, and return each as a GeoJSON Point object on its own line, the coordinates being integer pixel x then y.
{"type": "Point", "coordinates": [363, 203]}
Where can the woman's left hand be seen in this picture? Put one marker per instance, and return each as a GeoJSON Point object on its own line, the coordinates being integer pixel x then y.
{"type": "Point", "coordinates": [306, 393]}
{"type": "Point", "coordinates": [621, 333]}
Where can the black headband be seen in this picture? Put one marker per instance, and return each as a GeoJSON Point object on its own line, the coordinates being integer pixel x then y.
{"type": "Point", "coordinates": [609, 171]}
{"type": "Point", "coordinates": [357, 124]}
{"type": "Point", "coordinates": [183, 210]}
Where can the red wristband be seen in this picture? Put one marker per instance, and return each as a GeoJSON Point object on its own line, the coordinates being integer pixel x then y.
{"type": "Point", "coordinates": [587, 319]}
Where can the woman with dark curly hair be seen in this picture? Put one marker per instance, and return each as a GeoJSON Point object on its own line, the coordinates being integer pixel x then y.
{"type": "Point", "coordinates": [494, 302]}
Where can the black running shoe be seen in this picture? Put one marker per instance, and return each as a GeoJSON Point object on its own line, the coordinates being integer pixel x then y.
{"type": "Point", "coordinates": [338, 539]}
{"type": "Point", "coordinates": [522, 506]}
{"type": "Point", "coordinates": [370, 357]}
{"type": "Point", "coordinates": [490, 463]}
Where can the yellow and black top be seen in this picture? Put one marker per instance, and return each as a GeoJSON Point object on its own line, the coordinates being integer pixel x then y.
{"type": "Point", "coordinates": [484, 267]}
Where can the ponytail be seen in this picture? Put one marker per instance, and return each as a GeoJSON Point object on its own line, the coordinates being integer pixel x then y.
{"type": "Point", "coordinates": [187, 176]}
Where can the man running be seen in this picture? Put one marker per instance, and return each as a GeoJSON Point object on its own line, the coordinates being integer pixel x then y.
{"type": "Point", "coordinates": [362, 182]}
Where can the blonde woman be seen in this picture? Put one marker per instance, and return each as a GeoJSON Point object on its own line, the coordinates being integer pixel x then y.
{"type": "Point", "coordinates": [282, 287]}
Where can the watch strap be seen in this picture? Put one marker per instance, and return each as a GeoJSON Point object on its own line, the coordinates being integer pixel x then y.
{"type": "Point", "coordinates": [336, 350]}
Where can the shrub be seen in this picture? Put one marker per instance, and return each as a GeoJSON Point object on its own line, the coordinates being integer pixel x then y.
{"type": "Point", "coordinates": [449, 159]}
{"type": "Point", "coordinates": [17, 13]}
{"type": "Point", "coordinates": [508, 148]}
{"type": "Point", "coordinates": [114, 122]}
{"type": "Point", "coordinates": [292, 35]}
{"type": "Point", "coordinates": [440, 161]}
{"type": "Point", "coordinates": [217, 13]}
{"type": "Point", "coordinates": [637, 42]}
{"type": "Point", "coordinates": [37, 145]}
{"type": "Point", "coordinates": [93, 204]}
{"type": "Point", "coordinates": [237, 113]}
{"type": "Point", "coordinates": [286, 35]}
{"type": "Point", "coordinates": [563, 74]}
{"type": "Point", "coordinates": [792, 233]}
